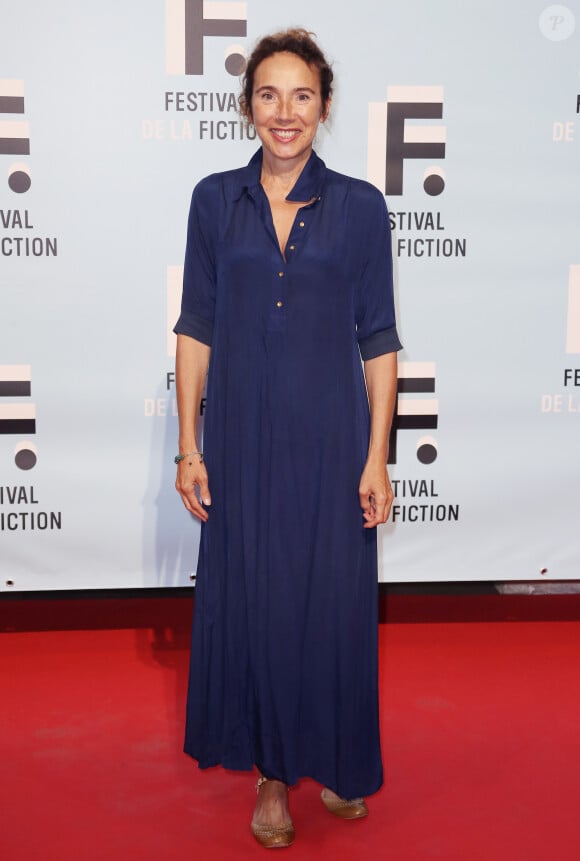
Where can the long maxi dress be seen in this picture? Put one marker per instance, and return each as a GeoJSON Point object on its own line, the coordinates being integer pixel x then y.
{"type": "Point", "coordinates": [284, 647]}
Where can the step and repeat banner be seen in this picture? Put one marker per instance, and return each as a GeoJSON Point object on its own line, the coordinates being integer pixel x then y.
{"type": "Point", "coordinates": [465, 116]}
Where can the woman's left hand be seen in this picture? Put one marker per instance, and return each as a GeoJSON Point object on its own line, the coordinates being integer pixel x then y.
{"type": "Point", "coordinates": [375, 493]}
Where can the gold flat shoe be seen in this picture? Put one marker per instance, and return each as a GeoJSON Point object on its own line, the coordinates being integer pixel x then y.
{"type": "Point", "coordinates": [346, 808]}
{"type": "Point", "coordinates": [272, 836]}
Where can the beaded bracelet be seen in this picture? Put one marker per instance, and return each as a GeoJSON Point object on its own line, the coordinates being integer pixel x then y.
{"type": "Point", "coordinates": [179, 457]}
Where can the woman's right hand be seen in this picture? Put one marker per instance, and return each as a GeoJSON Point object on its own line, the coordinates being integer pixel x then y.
{"type": "Point", "coordinates": [191, 473]}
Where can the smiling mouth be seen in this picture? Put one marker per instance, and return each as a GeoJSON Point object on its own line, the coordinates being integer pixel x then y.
{"type": "Point", "coordinates": [285, 134]}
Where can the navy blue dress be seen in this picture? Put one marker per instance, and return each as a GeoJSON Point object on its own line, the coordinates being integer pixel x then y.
{"type": "Point", "coordinates": [284, 648]}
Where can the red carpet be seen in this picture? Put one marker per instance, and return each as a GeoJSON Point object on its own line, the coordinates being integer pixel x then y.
{"type": "Point", "coordinates": [480, 732]}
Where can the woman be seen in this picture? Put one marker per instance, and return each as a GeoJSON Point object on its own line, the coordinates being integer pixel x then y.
{"type": "Point", "coordinates": [287, 284]}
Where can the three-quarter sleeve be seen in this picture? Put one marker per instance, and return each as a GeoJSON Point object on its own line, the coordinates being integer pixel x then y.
{"type": "Point", "coordinates": [375, 308]}
{"type": "Point", "coordinates": [199, 272]}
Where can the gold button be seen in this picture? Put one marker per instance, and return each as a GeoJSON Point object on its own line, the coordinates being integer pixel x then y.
{"type": "Point", "coordinates": [281, 274]}
{"type": "Point", "coordinates": [301, 224]}
{"type": "Point", "coordinates": [279, 304]}
{"type": "Point", "coordinates": [292, 247]}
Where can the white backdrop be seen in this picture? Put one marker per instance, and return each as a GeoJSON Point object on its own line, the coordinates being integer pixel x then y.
{"type": "Point", "coordinates": [465, 115]}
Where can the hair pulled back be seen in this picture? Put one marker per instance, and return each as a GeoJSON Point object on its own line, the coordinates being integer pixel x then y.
{"type": "Point", "coordinates": [297, 41]}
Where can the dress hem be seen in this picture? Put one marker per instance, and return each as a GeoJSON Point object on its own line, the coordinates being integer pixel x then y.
{"type": "Point", "coordinates": [317, 779]}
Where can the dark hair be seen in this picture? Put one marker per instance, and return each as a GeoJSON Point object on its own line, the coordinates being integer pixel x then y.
{"type": "Point", "coordinates": [295, 41]}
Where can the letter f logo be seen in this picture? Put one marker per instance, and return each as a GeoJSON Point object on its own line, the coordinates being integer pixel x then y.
{"type": "Point", "coordinates": [392, 140]}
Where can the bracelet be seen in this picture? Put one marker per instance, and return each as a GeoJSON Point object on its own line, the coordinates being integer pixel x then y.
{"type": "Point", "coordinates": [179, 457]}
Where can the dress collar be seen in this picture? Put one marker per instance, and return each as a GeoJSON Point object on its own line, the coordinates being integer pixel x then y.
{"type": "Point", "coordinates": [308, 185]}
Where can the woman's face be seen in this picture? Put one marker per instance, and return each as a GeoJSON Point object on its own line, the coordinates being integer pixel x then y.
{"type": "Point", "coordinates": [287, 106]}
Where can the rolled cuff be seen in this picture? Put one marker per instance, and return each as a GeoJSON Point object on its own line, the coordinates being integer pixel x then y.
{"type": "Point", "coordinates": [195, 326]}
{"type": "Point", "coordinates": [385, 341]}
